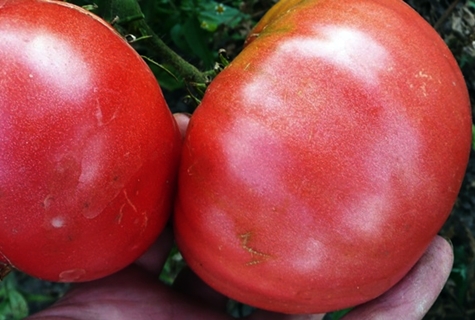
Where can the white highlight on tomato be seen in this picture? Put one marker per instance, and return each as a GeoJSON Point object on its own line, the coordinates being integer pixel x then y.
{"type": "Point", "coordinates": [311, 255]}
{"type": "Point", "coordinates": [62, 67]}
{"type": "Point", "coordinates": [51, 62]}
{"type": "Point", "coordinates": [248, 148]}
{"type": "Point", "coordinates": [348, 50]}
{"type": "Point", "coordinates": [93, 162]}
{"type": "Point", "coordinates": [344, 76]}
{"type": "Point", "coordinates": [345, 48]}
{"type": "Point", "coordinates": [93, 159]}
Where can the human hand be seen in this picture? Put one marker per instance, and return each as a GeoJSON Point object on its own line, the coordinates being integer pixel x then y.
{"type": "Point", "coordinates": [136, 293]}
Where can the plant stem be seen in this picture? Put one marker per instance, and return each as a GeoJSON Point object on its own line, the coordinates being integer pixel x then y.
{"type": "Point", "coordinates": [446, 14]}
{"type": "Point", "coordinates": [128, 18]}
{"type": "Point", "coordinates": [5, 269]}
{"type": "Point", "coordinates": [185, 70]}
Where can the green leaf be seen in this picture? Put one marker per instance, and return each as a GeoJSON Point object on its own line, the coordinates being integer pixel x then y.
{"type": "Point", "coordinates": [4, 309]}
{"type": "Point", "coordinates": [178, 37]}
{"type": "Point", "coordinates": [18, 305]}
{"type": "Point", "coordinates": [173, 266]}
{"type": "Point", "coordinates": [214, 14]}
{"type": "Point", "coordinates": [13, 304]}
{"type": "Point", "coordinates": [164, 75]}
{"type": "Point", "coordinates": [197, 39]}
{"type": "Point", "coordinates": [339, 314]}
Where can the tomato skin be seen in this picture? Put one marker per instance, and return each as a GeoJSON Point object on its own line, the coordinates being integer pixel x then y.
{"type": "Point", "coordinates": [322, 162]}
{"type": "Point", "coordinates": [89, 149]}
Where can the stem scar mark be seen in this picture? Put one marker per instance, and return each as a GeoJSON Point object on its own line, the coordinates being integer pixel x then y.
{"type": "Point", "coordinates": [257, 256]}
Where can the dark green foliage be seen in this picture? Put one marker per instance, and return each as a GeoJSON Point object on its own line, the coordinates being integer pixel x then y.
{"type": "Point", "coordinates": [21, 295]}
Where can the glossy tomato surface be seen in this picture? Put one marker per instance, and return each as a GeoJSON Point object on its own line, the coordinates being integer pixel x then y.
{"type": "Point", "coordinates": [88, 147]}
{"type": "Point", "coordinates": [325, 158]}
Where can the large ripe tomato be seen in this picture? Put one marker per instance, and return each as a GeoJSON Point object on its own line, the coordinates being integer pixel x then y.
{"type": "Point", "coordinates": [325, 158]}
{"type": "Point", "coordinates": [88, 147]}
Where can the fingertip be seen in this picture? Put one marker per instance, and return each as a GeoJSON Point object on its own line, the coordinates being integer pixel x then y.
{"type": "Point", "coordinates": [439, 251]}
{"type": "Point", "coordinates": [417, 291]}
{"type": "Point", "coordinates": [182, 120]}
{"type": "Point", "coordinates": [444, 245]}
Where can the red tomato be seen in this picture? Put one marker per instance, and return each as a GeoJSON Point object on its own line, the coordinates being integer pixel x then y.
{"type": "Point", "coordinates": [325, 158]}
{"type": "Point", "coordinates": [88, 147]}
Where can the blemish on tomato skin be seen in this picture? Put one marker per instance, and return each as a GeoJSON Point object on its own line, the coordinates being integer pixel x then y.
{"type": "Point", "coordinates": [118, 218]}
{"type": "Point", "coordinates": [57, 222]}
{"type": "Point", "coordinates": [422, 74]}
{"type": "Point", "coordinates": [47, 201]}
{"type": "Point", "coordinates": [129, 202]}
{"type": "Point", "coordinates": [257, 257]}
{"type": "Point", "coordinates": [190, 170]}
{"type": "Point", "coordinates": [145, 220]}
{"type": "Point", "coordinates": [71, 275]}
{"type": "Point", "coordinates": [101, 118]}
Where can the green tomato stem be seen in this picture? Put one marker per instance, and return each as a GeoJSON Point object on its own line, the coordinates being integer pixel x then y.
{"type": "Point", "coordinates": [127, 17]}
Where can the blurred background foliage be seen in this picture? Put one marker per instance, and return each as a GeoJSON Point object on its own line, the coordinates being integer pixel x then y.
{"type": "Point", "coordinates": [197, 30]}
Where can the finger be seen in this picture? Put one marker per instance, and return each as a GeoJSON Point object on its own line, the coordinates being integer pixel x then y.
{"type": "Point", "coordinates": [187, 282]}
{"type": "Point", "coordinates": [91, 300]}
{"type": "Point", "coordinates": [182, 120]}
{"type": "Point", "coordinates": [413, 296]}
{"type": "Point", "coordinates": [128, 294]}
{"type": "Point", "coordinates": [154, 258]}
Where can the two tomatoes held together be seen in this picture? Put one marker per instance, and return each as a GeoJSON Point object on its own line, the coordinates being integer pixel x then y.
{"type": "Point", "coordinates": [319, 166]}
